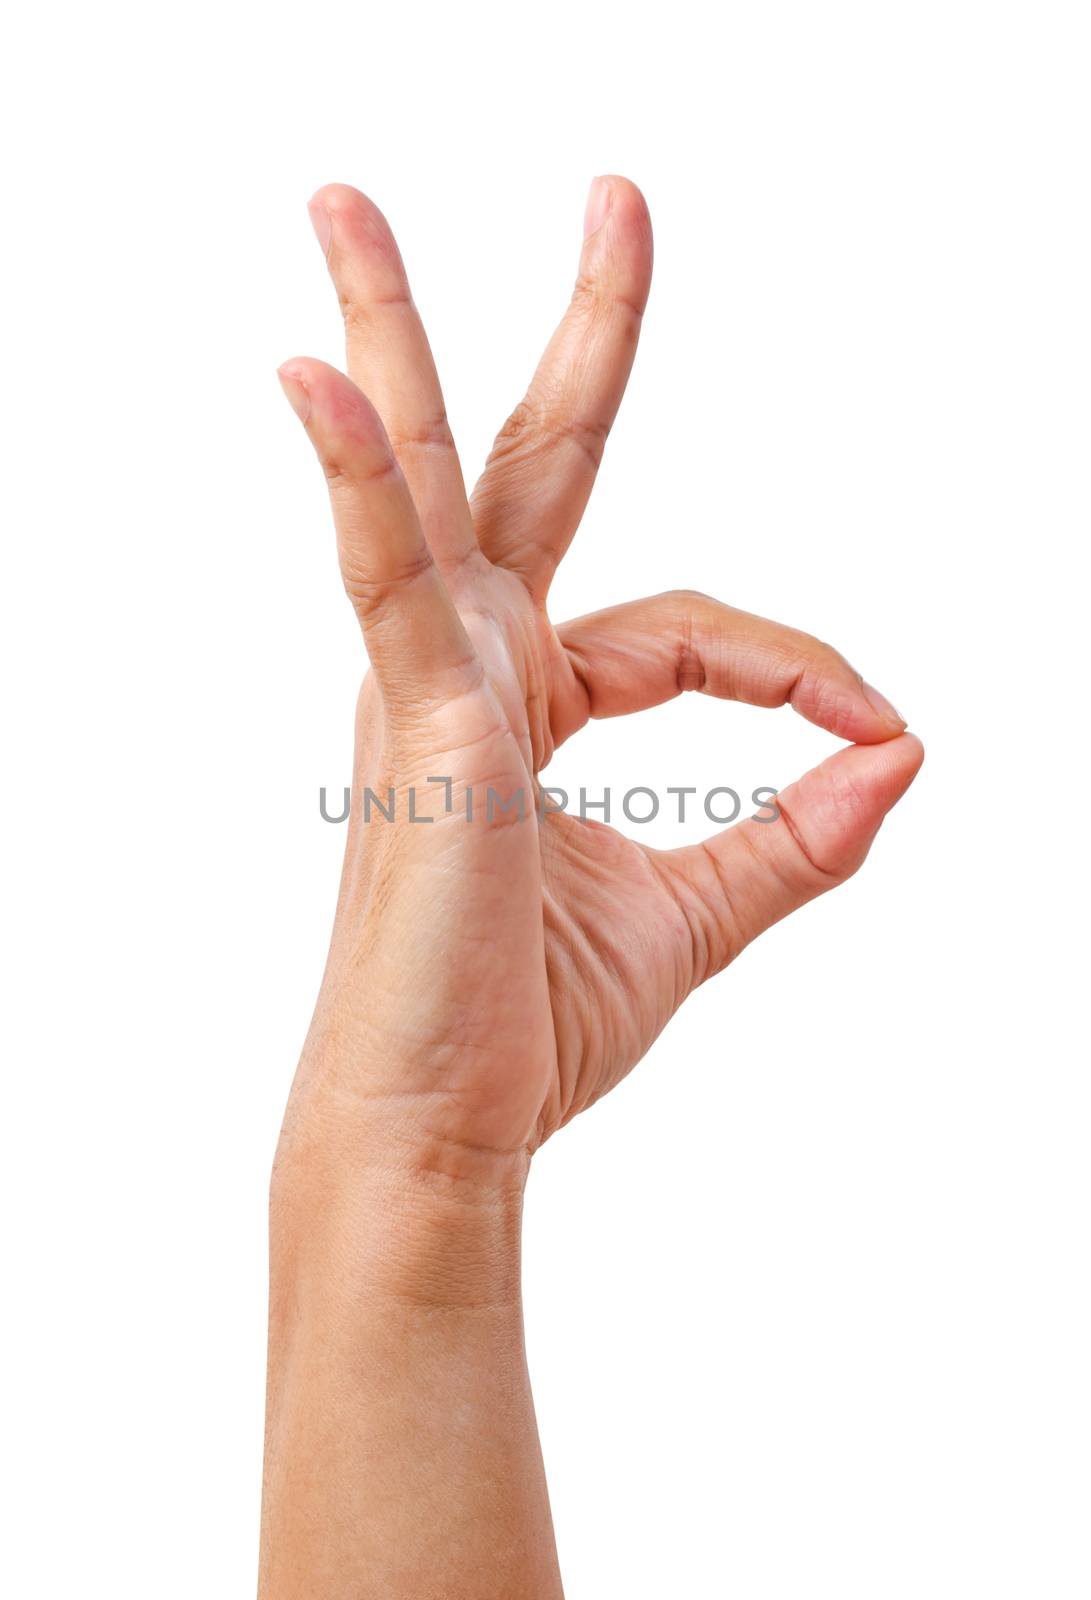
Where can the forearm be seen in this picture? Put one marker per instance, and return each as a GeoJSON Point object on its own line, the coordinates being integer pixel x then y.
{"type": "Point", "coordinates": [402, 1456]}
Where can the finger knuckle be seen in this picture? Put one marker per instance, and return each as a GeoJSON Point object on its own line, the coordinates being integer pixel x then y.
{"type": "Point", "coordinates": [430, 432]}
{"type": "Point", "coordinates": [348, 475]}
{"type": "Point", "coordinates": [594, 297]}
{"type": "Point", "coordinates": [360, 311]}
{"type": "Point", "coordinates": [532, 429]}
{"type": "Point", "coordinates": [370, 592]}
{"type": "Point", "coordinates": [690, 600]}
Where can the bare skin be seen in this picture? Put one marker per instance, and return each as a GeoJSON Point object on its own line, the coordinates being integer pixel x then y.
{"type": "Point", "coordinates": [488, 980]}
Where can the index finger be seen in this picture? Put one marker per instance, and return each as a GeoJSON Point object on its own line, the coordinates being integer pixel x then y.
{"type": "Point", "coordinates": [635, 656]}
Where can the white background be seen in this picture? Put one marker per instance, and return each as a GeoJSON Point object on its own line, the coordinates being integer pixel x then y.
{"type": "Point", "coordinates": [808, 1303]}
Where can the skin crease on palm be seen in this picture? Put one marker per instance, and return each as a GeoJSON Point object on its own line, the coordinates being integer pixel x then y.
{"type": "Point", "coordinates": [489, 980]}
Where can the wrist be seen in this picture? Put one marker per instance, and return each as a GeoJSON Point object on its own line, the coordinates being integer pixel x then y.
{"type": "Point", "coordinates": [375, 1212]}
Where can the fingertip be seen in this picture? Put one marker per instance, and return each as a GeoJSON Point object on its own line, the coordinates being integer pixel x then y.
{"type": "Point", "coordinates": [292, 377]}
{"type": "Point", "coordinates": [338, 197]}
{"type": "Point", "coordinates": [626, 198]}
{"type": "Point", "coordinates": [294, 368]}
{"type": "Point", "coordinates": [330, 403]}
{"type": "Point", "coordinates": [837, 809]}
{"type": "Point", "coordinates": [913, 757]}
{"type": "Point", "coordinates": [302, 374]}
{"type": "Point", "coordinates": [597, 208]}
{"type": "Point", "coordinates": [878, 774]}
{"type": "Point", "coordinates": [829, 693]}
{"type": "Point", "coordinates": [617, 233]}
{"type": "Point", "coordinates": [616, 200]}
{"type": "Point", "coordinates": [351, 213]}
{"type": "Point", "coordinates": [882, 707]}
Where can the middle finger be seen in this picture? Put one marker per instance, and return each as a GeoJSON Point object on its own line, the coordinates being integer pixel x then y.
{"type": "Point", "coordinates": [389, 358]}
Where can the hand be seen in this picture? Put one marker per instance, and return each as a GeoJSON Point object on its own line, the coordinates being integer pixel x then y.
{"type": "Point", "coordinates": [490, 978]}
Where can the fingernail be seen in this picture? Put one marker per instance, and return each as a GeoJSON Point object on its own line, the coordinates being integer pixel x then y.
{"type": "Point", "coordinates": [321, 223]}
{"type": "Point", "coordinates": [598, 206]}
{"type": "Point", "coordinates": [882, 705]}
{"type": "Point", "coordinates": [296, 394]}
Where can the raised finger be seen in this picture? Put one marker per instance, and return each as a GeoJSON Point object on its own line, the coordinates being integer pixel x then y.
{"type": "Point", "coordinates": [414, 636]}
{"type": "Point", "coordinates": [390, 359]}
{"type": "Point", "coordinates": [539, 476]}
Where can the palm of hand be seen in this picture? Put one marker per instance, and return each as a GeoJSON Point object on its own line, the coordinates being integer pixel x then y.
{"type": "Point", "coordinates": [501, 975]}
{"type": "Point", "coordinates": [618, 951]}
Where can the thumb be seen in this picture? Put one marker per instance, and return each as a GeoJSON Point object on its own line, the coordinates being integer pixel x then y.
{"type": "Point", "coordinates": [748, 877]}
